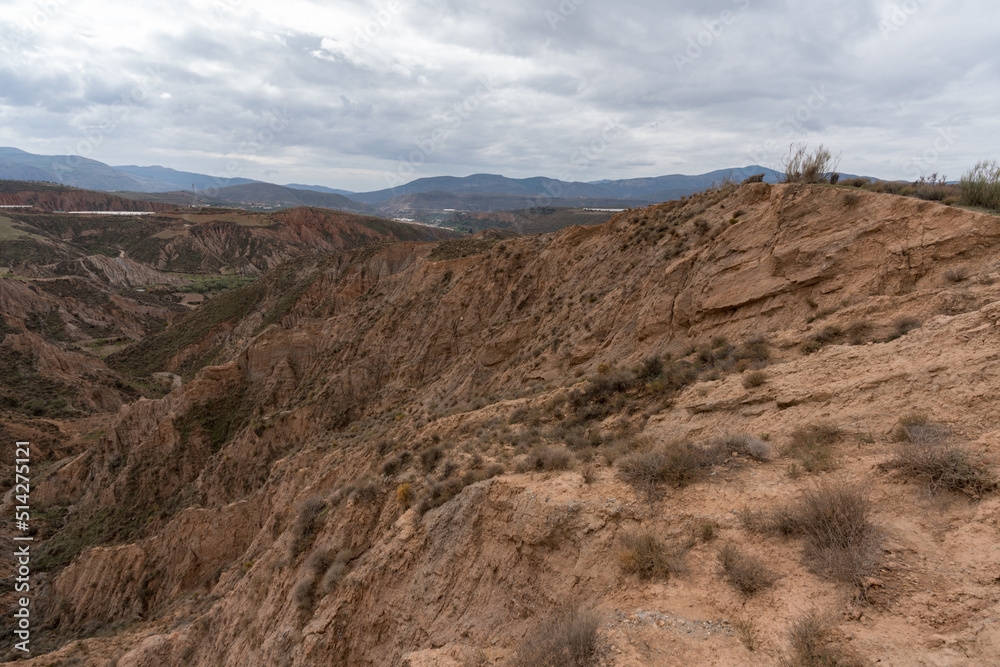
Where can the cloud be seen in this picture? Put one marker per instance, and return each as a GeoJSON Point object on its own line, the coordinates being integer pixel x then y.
{"type": "Point", "coordinates": [367, 90]}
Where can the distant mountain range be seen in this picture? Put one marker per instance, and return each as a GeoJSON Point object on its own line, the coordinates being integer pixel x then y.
{"type": "Point", "coordinates": [478, 192]}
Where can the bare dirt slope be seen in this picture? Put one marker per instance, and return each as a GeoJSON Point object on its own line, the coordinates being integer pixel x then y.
{"type": "Point", "coordinates": [420, 460]}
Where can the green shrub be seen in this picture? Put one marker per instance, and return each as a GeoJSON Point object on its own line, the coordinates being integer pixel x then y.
{"type": "Point", "coordinates": [981, 185]}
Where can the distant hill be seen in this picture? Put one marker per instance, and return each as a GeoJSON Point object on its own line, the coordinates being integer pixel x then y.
{"type": "Point", "coordinates": [181, 180]}
{"type": "Point", "coordinates": [319, 188]}
{"type": "Point", "coordinates": [636, 190]}
{"type": "Point", "coordinates": [422, 202]}
{"type": "Point", "coordinates": [74, 170]}
{"type": "Point", "coordinates": [268, 195]}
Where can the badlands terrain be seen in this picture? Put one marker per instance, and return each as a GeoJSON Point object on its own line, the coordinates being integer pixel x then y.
{"type": "Point", "coordinates": [756, 426]}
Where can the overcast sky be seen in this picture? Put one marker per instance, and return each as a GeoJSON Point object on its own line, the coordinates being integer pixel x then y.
{"type": "Point", "coordinates": [363, 95]}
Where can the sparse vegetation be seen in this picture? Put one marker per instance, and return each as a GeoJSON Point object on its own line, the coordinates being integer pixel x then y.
{"type": "Point", "coordinates": [573, 638]}
{"type": "Point", "coordinates": [957, 275]}
{"type": "Point", "coordinates": [745, 572]}
{"type": "Point", "coordinates": [842, 539]}
{"type": "Point", "coordinates": [742, 444]}
{"type": "Point", "coordinates": [307, 524]}
{"type": "Point", "coordinates": [676, 463]}
{"type": "Point", "coordinates": [812, 446]}
{"type": "Point", "coordinates": [754, 379]}
{"type": "Point", "coordinates": [648, 556]}
{"type": "Point", "coordinates": [747, 632]}
{"type": "Point", "coordinates": [547, 458]}
{"type": "Point", "coordinates": [928, 455]}
{"type": "Point", "coordinates": [981, 185]}
{"type": "Point", "coordinates": [801, 166]}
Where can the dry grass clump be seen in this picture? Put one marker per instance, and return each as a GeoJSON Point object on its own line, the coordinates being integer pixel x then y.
{"type": "Point", "coordinates": [438, 493]}
{"type": "Point", "coordinates": [956, 275]}
{"type": "Point", "coordinates": [812, 446]}
{"type": "Point", "coordinates": [812, 642]}
{"type": "Point", "coordinates": [572, 639]}
{"type": "Point", "coordinates": [547, 458]}
{"type": "Point", "coordinates": [307, 524]}
{"type": "Point", "coordinates": [801, 166]}
{"type": "Point", "coordinates": [928, 455]}
{"type": "Point", "coordinates": [842, 540]}
{"type": "Point", "coordinates": [745, 572]}
{"type": "Point", "coordinates": [754, 379]}
{"type": "Point", "coordinates": [742, 444]}
{"type": "Point", "coordinates": [904, 325]}
{"type": "Point", "coordinates": [677, 464]}
{"type": "Point", "coordinates": [747, 632]}
{"type": "Point", "coordinates": [648, 556]}
{"type": "Point", "coordinates": [335, 571]}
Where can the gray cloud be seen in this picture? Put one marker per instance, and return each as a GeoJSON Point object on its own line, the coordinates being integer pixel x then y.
{"type": "Point", "coordinates": [361, 93]}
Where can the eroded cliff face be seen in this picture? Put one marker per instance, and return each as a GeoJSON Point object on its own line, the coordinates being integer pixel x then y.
{"type": "Point", "coordinates": [265, 524]}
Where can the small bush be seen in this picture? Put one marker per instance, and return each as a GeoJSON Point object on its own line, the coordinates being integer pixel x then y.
{"type": "Point", "coordinates": [572, 639]}
{"type": "Point", "coordinates": [858, 332]}
{"type": "Point", "coordinates": [303, 593]}
{"type": "Point", "coordinates": [747, 574]}
{"type": "Point", "coordinates": [904, 325]}
{"type": "Point", "coordinates": [646, 555]}
{"type": "Point", "coordinates": [842, 539]}
{"type": "Point", "coordinates": [546, 459]}
{"type": "Point", "coordinates": [307, 524]}
{"type": "Point", "coordinates": [404, 495]}
{"type": "Point", "coordinates": [747, 632]}
{"type": "Point", "coordinates": [677, 464]}
{"type": "Point", "coordinates": [335, 572]}
{"type": "Point", "coordinates": [743, 444]}
{"type": "Point", "coordinates": [754, 379]}
{"type": "Point", "coordinates": [956, 275]}
{"type": "Point", "coordinates": [927, 456]}
{"type": "Point", "coordinates": [908, 422]}
{"type": "Point", "coordinates": [651, 368]}
{"type": "Point", "coordinates": [429, 458]}
{"type": "Point", "coordinates": [803, 167]}
{"type": "Point", "coordinates": [812, 446]}
{"type": "Point", "coordinates": [396, 464]}
{"type": "Point", "coordinates": [756, 178]}
{"type": "Point", "coordinates": [981, 185]}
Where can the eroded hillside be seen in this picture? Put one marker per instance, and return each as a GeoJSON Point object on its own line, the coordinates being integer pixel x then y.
{"type": "Point", "coordinates": [421, 453]}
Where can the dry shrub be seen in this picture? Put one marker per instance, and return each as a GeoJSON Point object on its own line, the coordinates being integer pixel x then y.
{"type": "Point", "coordinates": [904, 325]}
{"type": "Point", "coordinates": [928, 456]}
{"type": "Point", "coordinates": [812, 640]}
{"type": "Point", "coordinates": [801, 166]}
{"type": "Point", "coordinates": [859, 332]}
{"type": "Point", "coordinates": [812, 446]}
{"type": "Point", "coordinates": [307, 524]}
{"type": "Point", "coordinates": [648, 556]}
{"type": "Point", "coordinates": [404, 494]}
{"type": "Point", "coordinates": [754, 379]}
{"type": "Point", "coordinates": [908, 422]}
{"type": "Point", "coordinates": [841, 539]}
{"type": "Point", "coordinates": [742, 444]}
{"type": "Point", "coordinates": [302, 594]}
{"type": "Point", "coordinates": [747, 632]}
{"type": "Point", "coordinates": [572, 639]}
{"type": "Point", "coordinates": [547, 458]}
{"type": "Point", "coordinates": [746, 573]}
{"type": "Point", "coordinates": [677, 464]}
{"type": "Point", "coordinates": [336, 571]}
{"type": "Point", "coordinates": [956, 275]}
